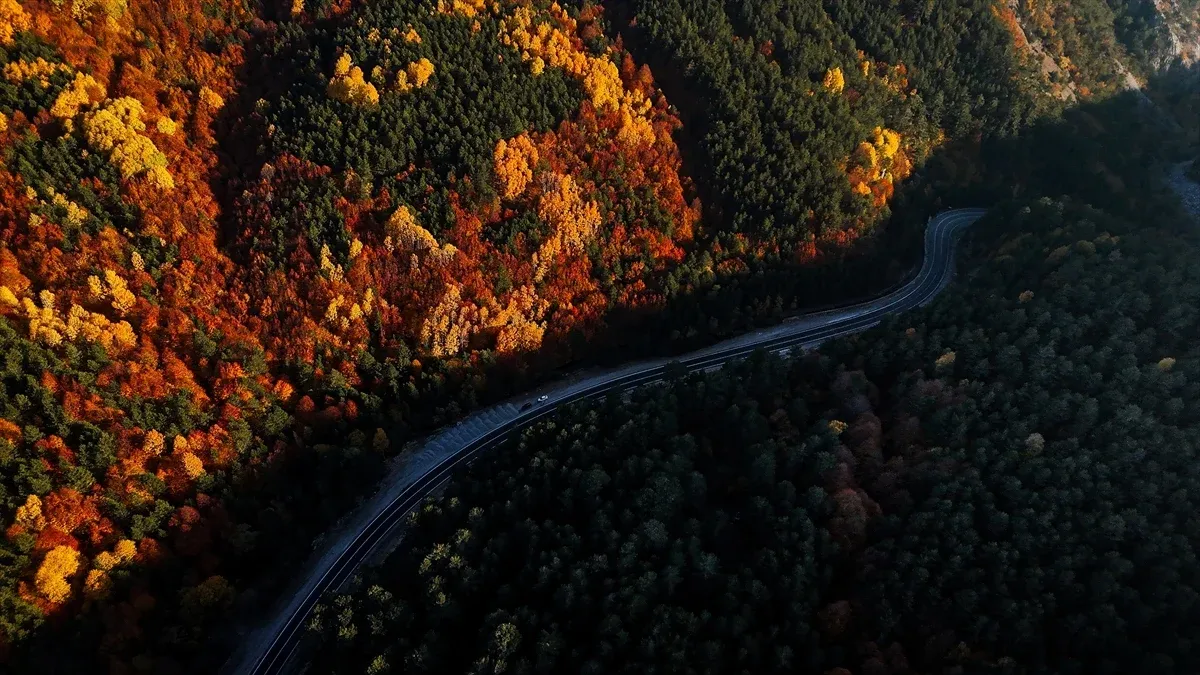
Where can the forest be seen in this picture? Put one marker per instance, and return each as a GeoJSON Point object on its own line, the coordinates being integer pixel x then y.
{"type": "Point", "coordinates": [250, 249]}
{"type": "Point", "coordinates": [1003, 482]}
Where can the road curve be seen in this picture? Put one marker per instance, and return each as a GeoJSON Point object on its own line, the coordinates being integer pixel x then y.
{"type": "Point", "coordinates": [269, 650]}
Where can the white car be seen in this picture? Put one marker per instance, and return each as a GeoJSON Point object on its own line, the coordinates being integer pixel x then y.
{"type": "Point", "coordinates": [543, 398]}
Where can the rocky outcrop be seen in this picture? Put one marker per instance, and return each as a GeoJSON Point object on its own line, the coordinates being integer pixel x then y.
{"type": "Point", "coordinates": [1183, 31]}
{"type": "Point", "coordinates": [1044, 32]}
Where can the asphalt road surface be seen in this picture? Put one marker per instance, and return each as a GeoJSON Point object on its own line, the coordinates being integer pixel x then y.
{"type": "Point", "coordinates": [271, 649]}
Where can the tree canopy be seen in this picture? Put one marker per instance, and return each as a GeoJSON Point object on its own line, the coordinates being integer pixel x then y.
{"type": "Point", "coordinates": [1002, 482]}
{"type": "Point", "coordinates": [249, 251]}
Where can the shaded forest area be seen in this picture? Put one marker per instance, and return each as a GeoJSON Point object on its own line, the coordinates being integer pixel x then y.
{"type": "Point", "coordinates": [1002, 482]}
{"type": "Point", "coordinates": [248, 250]}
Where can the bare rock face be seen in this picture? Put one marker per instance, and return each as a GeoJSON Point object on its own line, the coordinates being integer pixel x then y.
{"type": "Point", "coordinates": [1183, 31]}
{"type": "Point", "coordinates": [1175, 39]}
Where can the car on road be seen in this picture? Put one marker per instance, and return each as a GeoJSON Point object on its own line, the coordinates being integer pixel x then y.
{"type": "Point", "coordinates": [541, 399]}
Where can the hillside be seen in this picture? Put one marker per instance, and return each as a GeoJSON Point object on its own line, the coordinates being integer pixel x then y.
{"type": "Point", "coordinates": [1087, 48]}
{"type": "Point", "coordinates": [1003, 482]}
{"type": "Point", "coordinates": [248, 250]}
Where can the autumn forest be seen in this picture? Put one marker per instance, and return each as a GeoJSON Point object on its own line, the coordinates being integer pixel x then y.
{"type": "Point", "coordinates": [250, 249]}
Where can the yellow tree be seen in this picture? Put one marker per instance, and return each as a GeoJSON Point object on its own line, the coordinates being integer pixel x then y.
{"type": "Point", "coordinates": [8, 298]}
{"type": "Point", "coordinates": [406, 234]}
{"type": "Point", "coordinates": [115, 129]}
{"type": "Point", "coordinates": [521, 322]}
{"type": "Point", "coordinates": [420, 71]}
{"type": "Point", "coordinates": [39, 69]}
{"type": "Point", "coordinates": [448, 327]}
{"type": "Point", "coordinates": [635, 129]}
{"type": "Point", "coordinates": [467, 8]}
{"type": "Point", "coordinates": [602, 82]}
{"type": "Point", "coordinates": [82, 91]}
{"type": "Point", "coordinates": [834, 80]}
{"type": "Point", "coordinates": [97, 584]}
{"type": "Point", "coordinates": [13, 19]}
{"type": "Point", "coordinates": [192, 466]}
{"type": "Point", "coordinates": [868, 156]}
{"type": "Point", "coordinates": [573, 220]}
{"type": "Point", "coordinates": [45, 325]}
{"type": "Point", "coordinates": [513, 163]}
{"type": "Point", "coordinates": [125, 550]}
{"type": "Point", "coordinates": [887, 142]}
{"type": "Point", "coordinates": [84, 325]}
{"type": "Point", "coordinates": [52, 578]}
{"type": "Point", "coordinates": [945, 361]}
{"type": "Point", "coordinates": [416, 75]}
{"type": "Point", "coordinates": [348, 86]}
{"type": "Point", "coordinates": [562, 206]}
{"type": "Point", "coordinates": [29, 515]}
{"type": "Point", "coordinates": [211, 98]}
{"type": "Point", "coordinates": [75, 215]}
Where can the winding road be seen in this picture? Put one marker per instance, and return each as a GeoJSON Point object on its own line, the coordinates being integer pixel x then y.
{"type": "Point", "coordinates": [379, 521]}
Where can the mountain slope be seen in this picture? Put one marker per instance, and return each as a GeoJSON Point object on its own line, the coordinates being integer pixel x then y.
{"type": "Point", "coordinates": [248, 250]}
{"type": "Point", "coordinates": [1002, 482]}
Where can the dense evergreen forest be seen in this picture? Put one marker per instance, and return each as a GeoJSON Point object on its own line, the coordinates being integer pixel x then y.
{"type": "Point", "coordinates": [1004, 482]}
{"type": "Point", "coordinates": [251, 248]}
